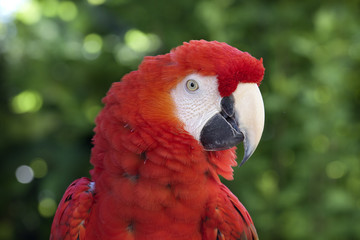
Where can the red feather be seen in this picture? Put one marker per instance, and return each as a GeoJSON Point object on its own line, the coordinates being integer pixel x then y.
{"type": "Point", "coordinates": [73, 211]}
{"type": "Point", "coordinates": [214, 58]}
{"type": "Point", "coordinates": [154, 180]}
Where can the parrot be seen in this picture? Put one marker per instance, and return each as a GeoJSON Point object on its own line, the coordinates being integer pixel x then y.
{"type": "Point", "coordinates": [165, 135]}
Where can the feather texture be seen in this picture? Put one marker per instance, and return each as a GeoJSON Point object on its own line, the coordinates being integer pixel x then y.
{"type": "Point", "coordinates": [73, 211]}
{"type": "Point", "coordinates": [153, 179]}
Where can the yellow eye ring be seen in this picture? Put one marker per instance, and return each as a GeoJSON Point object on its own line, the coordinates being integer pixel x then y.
{"type": "Point", "coordinates": [192, 85]}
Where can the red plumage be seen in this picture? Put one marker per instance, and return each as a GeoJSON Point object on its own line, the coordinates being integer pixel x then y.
{"type": "Point", "coordinates": [153, 180]}
{"type": "Point", "coordinates": [214, 58]}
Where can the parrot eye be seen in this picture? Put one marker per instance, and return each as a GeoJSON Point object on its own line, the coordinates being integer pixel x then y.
{"type": "Point", "coordinates": [192, 85]}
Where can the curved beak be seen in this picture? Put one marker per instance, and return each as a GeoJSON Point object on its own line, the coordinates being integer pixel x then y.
{"type": "Point", "coordinates": [250, 107]}
{"type": "Point", "coordinates": [241, 120]}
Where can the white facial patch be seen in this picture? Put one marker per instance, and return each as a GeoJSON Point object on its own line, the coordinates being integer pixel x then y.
{"type": "Point", "coordinates": [195, 106]}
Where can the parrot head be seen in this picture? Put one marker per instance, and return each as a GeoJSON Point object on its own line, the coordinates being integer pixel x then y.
{"type": "Point", "coordinates": [219, 102]}
{"type": "Point", "coordinates": [208, 90]}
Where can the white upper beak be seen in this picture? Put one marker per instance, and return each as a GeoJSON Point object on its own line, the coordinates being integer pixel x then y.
{"type": "Point", "coordinates": [251, 116]}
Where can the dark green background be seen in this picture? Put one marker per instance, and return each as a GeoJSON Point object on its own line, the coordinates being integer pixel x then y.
{"type": "Point", "coordinates": [303, 182]}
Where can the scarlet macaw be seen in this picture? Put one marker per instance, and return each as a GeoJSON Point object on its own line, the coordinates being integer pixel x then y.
{"type": "Point", "coordinates": [165, 134]}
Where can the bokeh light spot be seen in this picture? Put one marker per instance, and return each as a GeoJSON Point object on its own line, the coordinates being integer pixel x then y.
{"type": "Point", "coordinates": [50, 8]}
{"type": "Point", "coordinates": [324, 21]}
{"type": "Point", "coordinates": [93, 43]}
{"type": "Point", "coordinates": [29, 13]}
{"type": "Point", "coordinates": [141, 42]}
{"type": "Point", "coordinates": [8, 8]}
{"type": "Point", "coordinates": [39, 166]}
{"type": "Point", "coordinates": [67, 11]}
{"type": "Point", "coordinates": [338, 199]}
{"type": "Point", "coordinates": [91, 111]}
{"type": "Point", "coordinates": [48, 30]}
{"type": "Point", "coordinates": [137, 40]}
{"type": "Point", "coordinates": [26, 101]}
{"type": "Point", "coordinates": [335, 169]}
{"type": "Point", "coordinates": [24, 174]}
{"type": "Point", "coordinates": [96, 2]}
{"type": "Point", "coordinates": [47, 207]}
{"type": "Point", "coordinates": [320, 143]}
{"type": "Point", "coordinates": [268, 183]}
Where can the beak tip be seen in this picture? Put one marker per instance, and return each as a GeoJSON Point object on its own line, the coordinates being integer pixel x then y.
{"type": "Point", "coordinates": [244, 160]}
{"type": "Point", "coordinates": [247, 153]}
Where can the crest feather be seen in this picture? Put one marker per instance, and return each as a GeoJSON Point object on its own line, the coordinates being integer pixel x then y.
{"type": "Point", "coordinates": [216, 58]}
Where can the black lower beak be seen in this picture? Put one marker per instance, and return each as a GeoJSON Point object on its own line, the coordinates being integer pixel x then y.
{"type": "Point", "coordinates": [221, 131]}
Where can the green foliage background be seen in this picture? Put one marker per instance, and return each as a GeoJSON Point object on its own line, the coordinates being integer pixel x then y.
{"type": "Point", "coordinates": [58, 59]}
